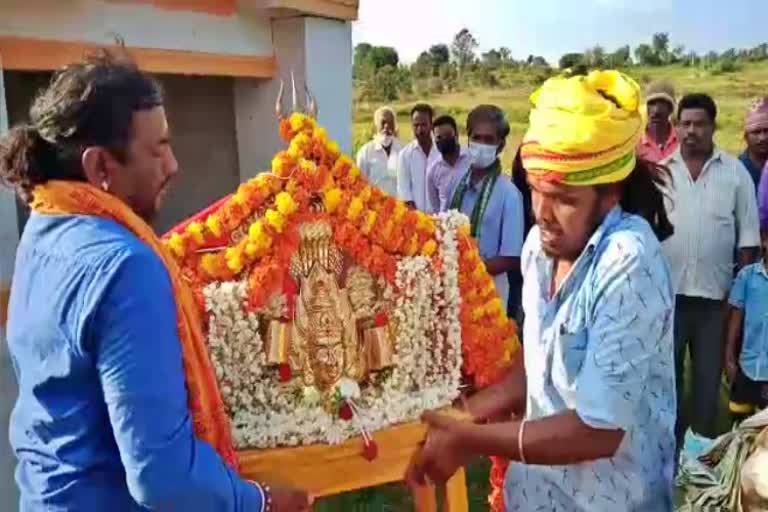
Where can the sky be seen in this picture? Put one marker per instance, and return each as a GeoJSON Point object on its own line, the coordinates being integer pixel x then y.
{"type": "Point", "coordinates": [551, 28]}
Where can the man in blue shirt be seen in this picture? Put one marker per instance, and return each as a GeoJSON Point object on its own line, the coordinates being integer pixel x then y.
{"type": "Point", "coordinates": [746, 356]}
{"type": "Point", "coordinates": [490, 200]}
{"type": "Point", "coordinates": [102, 421]}
{"type": "Point", "coordinates": [587, 415]}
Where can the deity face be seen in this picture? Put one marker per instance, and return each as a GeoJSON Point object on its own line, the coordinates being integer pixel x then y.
{"type": "Point", "coordinates": [325, 338]}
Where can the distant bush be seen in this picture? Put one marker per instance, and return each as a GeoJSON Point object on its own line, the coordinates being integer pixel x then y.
{"type": "Point", "coordinates": [728, 66]}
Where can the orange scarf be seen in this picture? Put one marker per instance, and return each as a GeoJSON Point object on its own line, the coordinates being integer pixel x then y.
{"type": "Point", "coordinates": [211, 423]}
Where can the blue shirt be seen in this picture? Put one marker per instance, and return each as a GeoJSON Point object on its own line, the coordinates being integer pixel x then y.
{"type": "Point", "coordinates": [750, 294]}
{"type": "Point", "coordinates": [501, 228]}
{"type": "Point", "coordinates": [754, 172]}
{"type": "Point", "coordinates": [101, 420]}
{"type": "Point", "coordinates": [602, 347]}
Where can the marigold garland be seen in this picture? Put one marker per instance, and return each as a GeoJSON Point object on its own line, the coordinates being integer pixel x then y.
{"type": "Point", "coordinates": [373, 228]}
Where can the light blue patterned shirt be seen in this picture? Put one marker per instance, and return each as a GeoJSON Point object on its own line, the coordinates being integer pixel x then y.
{"type": "Point", "coordinates": [603, 347]}
{"type": "Point", "coordinates": [750, 294]}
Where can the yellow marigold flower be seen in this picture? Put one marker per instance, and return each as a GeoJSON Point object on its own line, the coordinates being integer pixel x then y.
{"type": "Point", "coordinates": [285, 203]}
{"type": "Point", "coordinates": [256, 231]}
{"type": "Point", "coordinates": [214, 225]}
{"type": "Point", "coordinates": [234, 259]}
{"type": "Point", "coordinates": [209, 264]}
{"type": "Point", "coordinates": [344, 160]}
{"type": "Point", "coordinates": [275, 219]}
{"type": "Point", "coordinates": [332, 198]}
{"type": "Point", "coordinates": [321, 134]}
{"type": "Point", "coordinates": [426, 223]}
{"type": "Point", "coordinates": [355, 208]}
{"type": "Point", "coordinates": [354, 172]}
{"type": "Point", "coordinates": [176, 244]}
{"type": "Point", "coordinates": [297, 120]}
{"type": "Point", "coordinates": [196, 230]}
{"type": "Point", "coordinates": [495, 306]}
{"type": "Point", "coordinates": [429, 248]}
{"type": "Point", "coordinates": [328, 183]}
{"type": "Point", "coordinates": [251, 249]}
{"type": "Point", "coordinates": [278, 162]}
{"type": "Point", "coordinates": [370, 220]}
{"type": "Point", "coordinates": [307, 166]}
{"type": "Point", "coordinates": [501, 320]}
{"type": "Point", "coordinates": [489, 288]}
{"type": "Point", "coordinates": [477, 314]}
{"type": "Point", "coordinates": [333, 147]}
{"type": "Point", "coordinates": [479, 271]}
{"type": "Point", "coordinates": [399, 212]}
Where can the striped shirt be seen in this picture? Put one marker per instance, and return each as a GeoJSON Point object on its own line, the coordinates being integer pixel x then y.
{"type": "Point", "coordinates": [412, 173]}
{"type": "Point", "coordinates": [712, 216]}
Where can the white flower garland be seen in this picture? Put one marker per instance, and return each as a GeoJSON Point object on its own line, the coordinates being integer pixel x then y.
{"type": "Point", "coordinates": [268, 413]}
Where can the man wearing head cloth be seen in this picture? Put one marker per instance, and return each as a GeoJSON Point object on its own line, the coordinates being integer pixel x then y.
{"type": "Point", "coordinates": [660, 137]}
{"type": "Point", "coordinates": [756, 137]}
{"type": "Point", "coordinates": [587, 415]}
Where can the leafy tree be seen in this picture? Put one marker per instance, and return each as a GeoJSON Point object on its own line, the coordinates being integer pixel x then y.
{"type": "Point", "coordinates": [506, 56]}
{"type": "Point", "coordinates": [538, 61]}
{"type": "Point", "coordinates": [463, 48]}
{"type": "Point", "coordinates": [439, 54]}
{"type": "Point", "coordinates": [595, 57]}
{"type": "Point", "coordinates": [491, 59]}
{"type": "Point", "coordinates": [646, 56]}
{"type": "Point", "coordinates": [570, 60]}
{"type": "Point", "coordinates": [661, 47]}
{"type": "Point", "coordinates": [621, 57]}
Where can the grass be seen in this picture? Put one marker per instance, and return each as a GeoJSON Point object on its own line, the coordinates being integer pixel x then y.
{"type": "Point", "coordinates": [732, 92]}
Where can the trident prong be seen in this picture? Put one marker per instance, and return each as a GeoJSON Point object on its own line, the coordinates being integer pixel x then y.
{"type": "Point", "coordinates": [310, 108]}
{"type": "Point", "coordinates": [311, 102]}
{"type": "Point", "coordinates": [295, 107]}
{"type": "Point", "coordinates": [279, 112]}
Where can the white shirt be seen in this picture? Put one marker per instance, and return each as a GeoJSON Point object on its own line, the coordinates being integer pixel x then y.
{"type": "Point", "coordinates": [712, 216]}
{"type": "Point", "coordinates": [379, 168]}
{"type": "Point", "coordinates": [412, 174]}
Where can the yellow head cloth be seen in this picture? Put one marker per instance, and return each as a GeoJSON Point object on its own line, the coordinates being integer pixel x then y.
{"type": "Point", "coordinates": [584, 129]}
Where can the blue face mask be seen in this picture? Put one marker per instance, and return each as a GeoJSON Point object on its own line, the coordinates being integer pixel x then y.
{"type": "Point", "coordinates": [482, 155]}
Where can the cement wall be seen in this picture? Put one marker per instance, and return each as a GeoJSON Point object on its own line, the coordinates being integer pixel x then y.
{"type": "Point", "coordinates": [97, 21]}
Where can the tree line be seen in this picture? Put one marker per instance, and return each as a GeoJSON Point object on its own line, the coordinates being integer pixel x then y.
{"type": "Point", "coordinates": [380, 75]}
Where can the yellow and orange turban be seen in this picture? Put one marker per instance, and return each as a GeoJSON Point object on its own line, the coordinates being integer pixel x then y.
{"type": "Point", "coordinates": [584, 129]}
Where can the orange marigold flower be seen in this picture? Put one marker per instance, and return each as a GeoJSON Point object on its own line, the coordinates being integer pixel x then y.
{"type": "Point", "coordinates": [370, 220]}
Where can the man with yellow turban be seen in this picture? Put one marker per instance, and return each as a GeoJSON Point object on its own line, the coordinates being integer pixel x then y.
{"type": "Point", "coordinates": [587, 415]}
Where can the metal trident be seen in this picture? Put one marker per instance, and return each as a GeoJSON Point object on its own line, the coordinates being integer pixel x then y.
{"type": "Point", "coordinates": [309, 108]}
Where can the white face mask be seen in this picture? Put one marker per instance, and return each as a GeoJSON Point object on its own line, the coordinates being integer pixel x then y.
{"type": "Point", "coordinates": [482, 155]}
{"type": "Point", "coordinates": [384, 140]}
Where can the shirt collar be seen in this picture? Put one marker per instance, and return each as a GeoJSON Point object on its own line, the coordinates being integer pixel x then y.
{"type": "Point", "coordinates": [677, 156]}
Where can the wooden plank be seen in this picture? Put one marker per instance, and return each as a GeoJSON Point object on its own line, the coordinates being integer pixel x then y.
{"type": "Point", "coordinates": [325, 470]}
{"type": "Point", "coordinates": [30, 54]}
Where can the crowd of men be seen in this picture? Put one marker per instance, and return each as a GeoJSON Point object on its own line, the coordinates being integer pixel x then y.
{"type": "Point", "coordinates": [713, 198]}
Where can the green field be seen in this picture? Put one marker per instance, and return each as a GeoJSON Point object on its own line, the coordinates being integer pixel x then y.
{"type": "Point", "coordinates": [732, 92]}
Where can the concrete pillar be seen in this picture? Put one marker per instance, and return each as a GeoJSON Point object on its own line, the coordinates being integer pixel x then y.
{"type": "Point", "coordinates": [9, 239]}
{"type": "Point", "coordinates": [317, 50]}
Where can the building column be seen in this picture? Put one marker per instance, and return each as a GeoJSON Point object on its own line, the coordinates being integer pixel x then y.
{"type": "Point", "coordinates": [316, 50]}
{"type": "Point", "coordinates": [9, 239]}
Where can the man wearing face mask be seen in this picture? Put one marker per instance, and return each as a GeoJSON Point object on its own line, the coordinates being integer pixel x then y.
{"type": "Point", "coordinates": [455, 161]}
{"type": "Point", "coordinates": [377, 159]}
{"type": "Point", "coordinates": [492, 203]}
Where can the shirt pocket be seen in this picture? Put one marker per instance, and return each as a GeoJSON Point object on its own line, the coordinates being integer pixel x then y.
{"type": "Point", "coordinates": [568, 356]}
